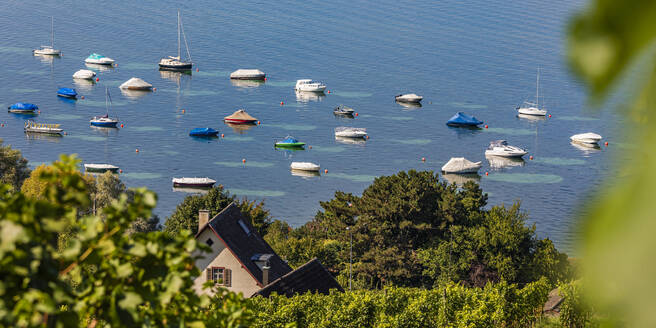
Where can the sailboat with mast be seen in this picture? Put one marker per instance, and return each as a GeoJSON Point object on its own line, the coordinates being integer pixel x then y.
{"type": "Point", "coordinates": [529, 108]}
{"type": "Point", "coordinates": [105, 121]}
{"type": "Point", "coordinates": [177, 63]}
{"type": "Point", "coordinates": [49, 50]}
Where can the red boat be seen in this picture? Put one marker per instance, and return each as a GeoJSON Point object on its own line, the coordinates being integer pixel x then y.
{"type": "Point", "coordinates": [240, 117]}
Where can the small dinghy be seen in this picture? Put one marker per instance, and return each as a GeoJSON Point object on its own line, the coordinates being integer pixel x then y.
{"type": "Point", "coordinates": [193, 182]}
{"type": "Point", "coordinates": [136, 83]}
{"type": "Point", "coordinates": [247, 74]}
{"type": "Point", "coordinates": [289, 142]}
{"type": "Point", "coordinates": [461, 165]}
{"type": "Point", "coordinates": [502, 149]}
{"type": "Point", "coordinates": [98, 59]}
{"type": "Point", "coordinates": [305, 166]}
{"type": "Point", "coordinates": [409, 98]}
{"type": "Point", "coordinates": [343, 110]}
{"type": "Point", "coordinates": [240, 117]}
{"type": "Point", "coordinates": [348, 132]}
{"type": "Point", "coordinates": [31, 126]}
{"type": "Point", "coordinates": [84, 74]}
{"type": "Point", "coordinates": [586, 138]}
{"type": "Point", "coordinates": [22, 108]}
{"type": "Point", "coordinates": [100, 168]}
{"type": "Point", "coordinates": [67, 93]}
{"type": "Point", "coordinates": [309, 85]}
{"type": "Point", "coordinates": [203, 132]}
{"type": "Point", "coordinates": [105, 121]}
{"type": "Point", "coordinates": [461, 119]}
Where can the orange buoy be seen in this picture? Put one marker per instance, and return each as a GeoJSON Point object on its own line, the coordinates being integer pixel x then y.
{"type": "Point", "coordinates": [154, 89]}
{"type": "Point", "coordinates": [423, 159]}
{"type": "Point", "coordinates": [325, 171]}
{"type": "Point", "coordinates": [356, 114]}
{"type": "Point", "coordinates": [486, 173]}
{"type": "Point", "coordinates": [120, 171]}
{"type": "Point", "coordinates": [196, 69]}
{"type": "Point", "coordinates": [2, 125]}
{"type": "Point", "coordinates": [328, 91]}
{"type": "Point", "coordinates": [486, 126]}
{"type": "Point", "coordinates": [65, 133]}
{"type": "Point", "coordinates": [121, 125]}
{"type": "Point", "coordinates": [81, 97]}
{"type": "Point", "coordinates": [265, 79]}
{"type": "Point", "coordinates": [549, 115]}
{"type": "Point", "coordinates": [136, 150]}
{"type": "Point", "coordinates": [243, 160]}
{"type": "Point", "coordinates": [530, 157]}
{"type": "Point", "coordinates": [310, 147]}
{"type": "Point", "coordinates": [281, 103]}
{"type": "Point", "coordinates": [97, 79]}
{"type": "Point", "coordinates": [222, 135]}
{"type": "Point", "coordinates": [258, 122]}
{"type": "Point", "coordinates": [367, 137]}
{"type": "Point", "coordinates": [183, 111]}
{"type": "Point", "coordinates": [115, 65]}
{"type": "Point", "coordinates": [606, 143]}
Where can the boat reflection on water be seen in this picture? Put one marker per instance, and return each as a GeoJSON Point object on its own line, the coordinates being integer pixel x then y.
{"type": "Point", "coordinates": [461, 179]}
{"type": "Point", "coordinates": [135, 94]}
{"type": "Point", "coordinates": [240, 128]}
{"type": "Point", "coordinates": [43, 136]}
{"type": "Point", "coordinates": [190, 190]}
{"type": "Point", "coordinates": [408, 105]}
{"type": "Point", "coordinates": [84, 84]}
{"type": "Point", "coordinates": [305, 174]}
{"type": "Point", "coordinates": [351, 141]}
{"type": "Point", "coordinates": [174, 76]}
{"type": "Point", "coordinates": [246, 84]}
{"type": "Point", "coordinates": [532, 117]}
{"type": "Point", "coordinates": [100, 68]}
{"type": "Point", "coordinates": [46, 59]}
{"type": "Point", "coordinates": [104, 131]}
{"type": "Point", "coordinates": [498, 162]}
{"type": "Point", "coordinates": [307, 96]}
{"type": "Point", "coordinates": [586, 147]}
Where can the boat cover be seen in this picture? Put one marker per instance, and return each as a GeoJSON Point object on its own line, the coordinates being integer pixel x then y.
{"type": "Point", "coordinates": [203, 132]}
{"type": "Point", "coordinates": [497, 143]}
{"type": "Point", "coordinates": [136, 83]}
{"type": "Point", "coordinates": [246, 73]}
{"type": "Point", "coordinates": [459, 164]}
{"type": "Point", "coordinates": [461, 118]}
{"type": "Point", "coordinates": [95, 56]}
{"type": "Point", "coordinates": [289, 139]}
{"type": "Point", "coordinates": [240, 115]}
{"type": "Point", "coordinates": [24, 106]}
{"type": "Point", "coordinates": [67, 92]}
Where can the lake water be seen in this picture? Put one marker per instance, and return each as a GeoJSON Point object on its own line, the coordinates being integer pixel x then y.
{"type": "Point", "coordinates": [479, 57]}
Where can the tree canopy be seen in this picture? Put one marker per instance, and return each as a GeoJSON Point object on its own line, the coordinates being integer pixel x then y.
{"type": "Point", "coordinates": [13, 167]}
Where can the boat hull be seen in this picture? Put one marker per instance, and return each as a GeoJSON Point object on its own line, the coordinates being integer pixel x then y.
{"type": "Point", "coordinates": [507, 155]}
{"type": "Point", "coordinates": [311, 89]}
{"type": "Point", "coordinates": [193, 185]}
{"type": "Point", "coordinates": [181, 67]}
{"type": "Point", "coordinates": [104, 124]}
{"type": "Point", "coordinates": [67, 96]}
{"type": "Point", "coordinates": [21, 111]}
{"type": "Point", "coordinates": [44, 131]}
{"type": "Point", "coordinates": [409, 100]}
{"type": "Point", "coordinates": [99, 62]}
{"type": "Point", "coordinates": [235, 121]}
{"type": "Point", "coordinates": [47, 52]}
{"type": "Point", "coordinates": [532, 112]}
{"type": "Point", "coordinates": [290, 145]}
{"type": "Point", "coordinates": [100, 170]}
{"type": "Point", "coordinates": [210, 134]}
{"type": "Point", "coordinates": [251, 77]}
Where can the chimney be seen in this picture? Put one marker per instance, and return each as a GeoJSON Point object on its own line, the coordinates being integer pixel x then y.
{"type": "Point", "coordinates": [203, 218]}
{"type": "Point", "coordinates": [265, 274]}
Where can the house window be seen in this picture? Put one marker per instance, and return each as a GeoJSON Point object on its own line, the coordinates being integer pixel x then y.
{"type": "Point", "coordinates": [219, 275]}
{"type": "Point", "coordinates": [209, 242]}
{"type": "Point", "coordinates": [244, 227]}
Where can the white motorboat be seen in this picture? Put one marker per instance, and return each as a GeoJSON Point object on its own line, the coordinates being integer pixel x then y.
{"type": "Point", "coordinates": [502, 149]}
{"type": "Point", "coordinates": [247, 74]}
{"type": "Point", "coordinates": [193, 182]}
{"type": "Point", "coordinates": [49, 50]}
{"type": "Point", "coordinates": [409, 98]}
{"type": "Point", "coordinates": [176, 63]}
{"type": "Point", "coordinates": [586, 138]}
{"type": "Point", "coordinates": [309, 85]}
{"type": "Point", "coordinates": [31, 126]}
{"type": "Point", "coordinates": [497, 162]}
{"type": "Point", "coordinates": [136, 83]}
{"type": "Point", "coordinates": [461, 165]}
{"type": "Point", "coordinates": [98, 59]}
{"type": "Point", "coordinates": [100, 167]}
{"type": "Point", "coordinates": [533, 109]}
{"type": "Point", "coordinates": [305, 166]}
{"type": "Point", "coordinates": [348, 132]}
{"type": "Point", "coordinates": [84, 74]}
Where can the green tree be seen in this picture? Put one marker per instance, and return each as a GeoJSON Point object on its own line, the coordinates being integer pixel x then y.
{"type": "Point", "coordinates": [104, 275]}
{"type": "Point", "coordinates": [185, 216]}
{"type": "Point", "coordinates": [13, 167]}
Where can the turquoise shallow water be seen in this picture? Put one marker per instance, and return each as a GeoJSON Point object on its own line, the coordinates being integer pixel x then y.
{"type": "Point", "coordinates": [479, 57]}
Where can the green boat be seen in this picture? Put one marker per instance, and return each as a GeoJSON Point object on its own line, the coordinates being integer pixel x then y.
{"type": "Point", "coordinates": [289, 142]}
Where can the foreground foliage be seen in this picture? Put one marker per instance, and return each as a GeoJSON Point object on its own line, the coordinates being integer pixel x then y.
{"type": "Point", "coordinates": [498, 305]}
{"type": "Point", "coordinates": [13, 167]}
{"type": "Point", "coordinates": [103, 275]}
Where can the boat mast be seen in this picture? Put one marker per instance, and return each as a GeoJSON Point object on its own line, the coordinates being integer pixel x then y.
{"type": "Point", "coordinates": [52, 32]}
{"type": "Point", "coordinates": [179, 35]}
{"type": "Point", "coordinates": [537, 91]}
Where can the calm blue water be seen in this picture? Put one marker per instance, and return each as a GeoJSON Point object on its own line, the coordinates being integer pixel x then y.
{"type": "Point", "coordinates": [479, 57]}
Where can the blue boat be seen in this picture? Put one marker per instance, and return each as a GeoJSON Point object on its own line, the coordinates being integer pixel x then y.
{"type": "Point", "coordinates": [464, 120]}
{"type": "Point", "coordinates": [67, 93]}
{"type": "Point", "coordinates": [22, 108]}
{"type": "Point", "coordinates": [290, 142]}
{"type": "Point", "coordinates": [203, 132]}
